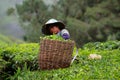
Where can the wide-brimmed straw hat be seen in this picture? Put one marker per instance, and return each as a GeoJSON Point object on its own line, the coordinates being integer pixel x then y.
{"type": "Point", "coordinates": [52, 22]}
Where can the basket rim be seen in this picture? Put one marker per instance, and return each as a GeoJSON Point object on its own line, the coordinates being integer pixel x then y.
{"type": "Point", "coordinates": [68, 41]}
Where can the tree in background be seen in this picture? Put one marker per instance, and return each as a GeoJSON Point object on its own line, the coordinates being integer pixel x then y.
{"type": "Point", "coordinates": [71, 12]}
{"type": "Point", "coordinates": [87, 20]}
{"type": "Point", "coordinates": [104, 20]}
{"type": "Point", "coordinates": [32, 15]}
{"type": "Point", "coordinates": [92, 20]}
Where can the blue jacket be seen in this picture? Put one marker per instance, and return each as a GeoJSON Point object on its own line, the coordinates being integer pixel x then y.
{"type": "Point", "coordinates": [64, 34]}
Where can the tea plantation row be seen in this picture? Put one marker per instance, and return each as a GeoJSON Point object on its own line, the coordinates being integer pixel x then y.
{"type": "Point", "coordinates": [20, 62]}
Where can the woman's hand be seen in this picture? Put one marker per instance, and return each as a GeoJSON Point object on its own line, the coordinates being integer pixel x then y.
{"type": "Point", "coordinates": [66, 36]}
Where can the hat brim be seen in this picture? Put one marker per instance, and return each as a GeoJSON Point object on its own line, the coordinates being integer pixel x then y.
{"type": "Point", "coordinates": [45, 28]}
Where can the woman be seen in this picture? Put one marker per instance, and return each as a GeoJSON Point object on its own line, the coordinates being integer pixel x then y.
{"type": "Point", "coordinates": [54, 26]}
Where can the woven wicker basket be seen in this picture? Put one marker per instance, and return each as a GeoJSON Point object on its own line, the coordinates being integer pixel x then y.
{"type": "Point", "coordinates": [55, 54]}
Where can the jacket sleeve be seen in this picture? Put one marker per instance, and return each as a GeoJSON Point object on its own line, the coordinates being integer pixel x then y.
{"type": "Point", "coordinates": [65, 34]}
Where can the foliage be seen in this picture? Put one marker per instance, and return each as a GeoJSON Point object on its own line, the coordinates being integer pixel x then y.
{"type": "Point", "coordinates": [53, 37]}
{"type": "Point", "coordinates": [110, 45]}
{"type": "Point", "coordinates": [103, 19]}
{"type": "Point", "coordinates": [9, 40]}
{"type": "Point", "coordinates": [87, 20]}
{"type": "Point", "coordinates": [2, 64]}
{"type": "Point", "coordinates": [4, 39]}
{"type": "Point", "coordinates": [16, 55]}
{"type": "Point", "coordinates": [10, 11]}
{"type": "Point", "coordinates": [19, 61]}
{"type": "Point", "coordinates": [32, 15]}
{"type": "Point", "coordinates": [82, 68]}
{"type": "Point", "coordinates": [78, 31]}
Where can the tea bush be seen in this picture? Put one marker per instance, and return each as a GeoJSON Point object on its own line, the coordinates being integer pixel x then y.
{"type": "Point", "coordinates": [20, 62]}
{"type": "Point", "coordinates": [9, 40]}
{"type": "Point", "coordinates": [17, 55]}
{"type": "Point", "coordinates": [109, 45]}
{"type": "Point", "coordinates": [82, 68]}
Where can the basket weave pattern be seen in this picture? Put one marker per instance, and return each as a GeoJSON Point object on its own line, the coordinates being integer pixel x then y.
{"type": "Point", "coordinates": [55, 54]}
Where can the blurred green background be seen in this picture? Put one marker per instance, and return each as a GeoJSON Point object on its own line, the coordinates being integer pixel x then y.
{"type": "Point", "coordinates": [86, 20]}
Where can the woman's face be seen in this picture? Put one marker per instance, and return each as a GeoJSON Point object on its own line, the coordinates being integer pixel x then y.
{"type": "Point", "coordinates": [54, 30]}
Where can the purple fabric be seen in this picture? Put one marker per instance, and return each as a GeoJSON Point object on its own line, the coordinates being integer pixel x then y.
{"type": "Point", "coordinates": [66, 36]}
